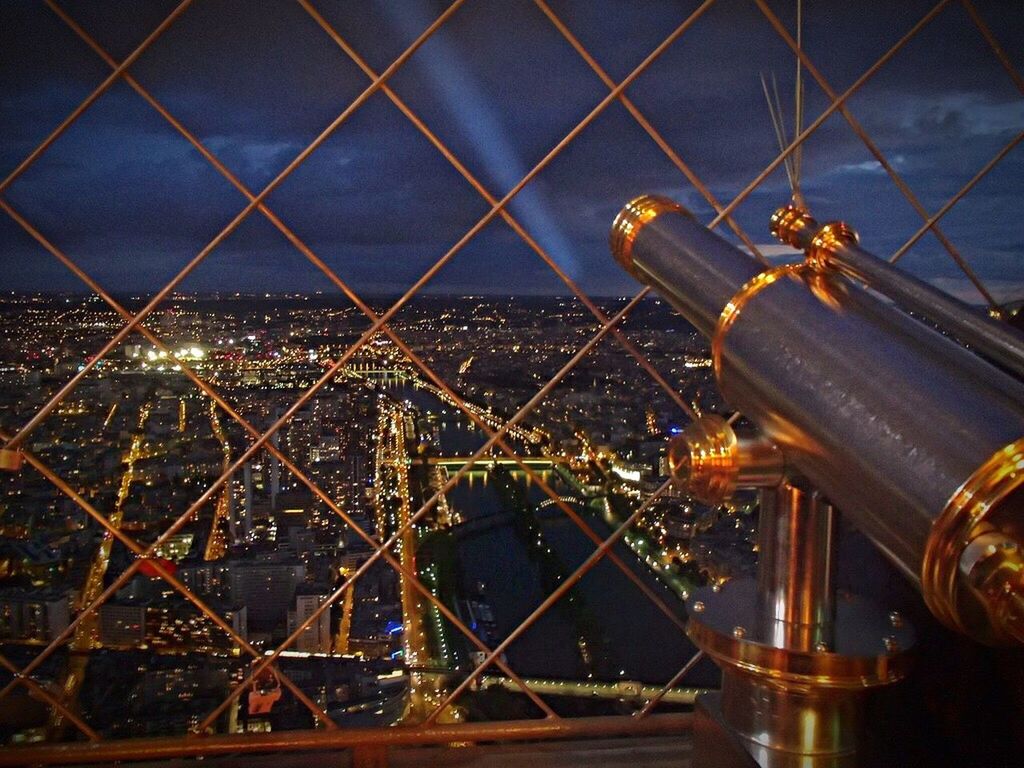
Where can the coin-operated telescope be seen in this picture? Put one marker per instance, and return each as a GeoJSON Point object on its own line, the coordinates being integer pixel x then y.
{"type": "Point", "coordinates": [860, 402]}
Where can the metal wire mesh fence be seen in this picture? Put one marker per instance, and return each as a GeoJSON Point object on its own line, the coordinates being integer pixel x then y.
{"type": "Point", "coordinates": [439, 702]}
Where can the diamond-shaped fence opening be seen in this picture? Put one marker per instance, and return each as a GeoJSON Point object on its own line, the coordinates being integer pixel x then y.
{"type": "Point", "coordinates": [272, 451]}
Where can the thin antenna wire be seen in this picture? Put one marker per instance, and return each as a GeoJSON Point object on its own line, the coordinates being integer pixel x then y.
{"type": "Point", "coordinates": [794, 161]}
{"type": "Point", "coordinates": [775, 111]}
{"type": "Point", "coordinates": [794, 178]}
{"type": "Point", "coordinates": [778, 111]}
{"type": "Point", "coordinates": [798, 196]}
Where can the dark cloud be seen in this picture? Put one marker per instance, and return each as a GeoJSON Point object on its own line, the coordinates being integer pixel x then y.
{"type": "Point", "coordinates": [126, 195]}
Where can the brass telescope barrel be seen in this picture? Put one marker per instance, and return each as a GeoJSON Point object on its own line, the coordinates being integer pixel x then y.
{"type": "Point", "coordinates": [917, 440]}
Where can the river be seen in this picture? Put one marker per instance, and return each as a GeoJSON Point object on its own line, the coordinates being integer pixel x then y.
{"type": "Point", "coordinates": [637, 640]}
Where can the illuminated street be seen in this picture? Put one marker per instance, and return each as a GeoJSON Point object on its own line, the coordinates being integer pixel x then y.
{"type": "Point", "coordinates": [87, 635]}
{"type": "Point", "coordinates": [217, 544]}
{"type": "Point", "coordinates": [426, 690]}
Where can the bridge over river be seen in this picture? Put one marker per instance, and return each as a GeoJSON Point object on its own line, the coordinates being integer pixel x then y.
{"type": "Point", "coordinates": [456, 462]}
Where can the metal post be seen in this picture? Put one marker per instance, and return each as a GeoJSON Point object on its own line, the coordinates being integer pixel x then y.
{"type": "Point", "coordinates": [795, 571]}
{"type": "Point", "coordinates": [796, 611]}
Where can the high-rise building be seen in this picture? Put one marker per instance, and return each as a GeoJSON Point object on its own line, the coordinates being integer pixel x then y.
{"type": "Point", "coordinates": [316, 638]}
{"type": "Point", "coordinates": [267, 589]}
{"type": "Point", "coordinates": [33, 614]}
{"type": "Point", "coordinates": [179, 626]}
{"type": "Point", "coordinates": [207, 578]}
{"type": "Point", "coordinates": [122, 624]}
{"type": "Point", "coordinates": [247, 505]}
{"type": "Point", "coordinates": [275, 471]}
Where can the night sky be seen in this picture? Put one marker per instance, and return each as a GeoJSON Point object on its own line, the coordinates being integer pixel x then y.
{"type": "Point", "coordinates": [132, 201]}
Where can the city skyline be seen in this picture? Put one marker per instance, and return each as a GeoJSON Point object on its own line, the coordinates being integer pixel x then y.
{"type": "Point", "coordinates": [378, 441]}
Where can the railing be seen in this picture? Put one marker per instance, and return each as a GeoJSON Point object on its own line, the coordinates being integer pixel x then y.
{"type": "Point", "coordinates": [15, 451]}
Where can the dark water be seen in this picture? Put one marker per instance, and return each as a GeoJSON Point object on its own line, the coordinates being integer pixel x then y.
{"type": "Point", "coordinates": [639, 640]}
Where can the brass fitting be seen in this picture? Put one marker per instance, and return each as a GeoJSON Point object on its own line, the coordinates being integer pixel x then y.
{"type": "Point", "coordinates": [711, 461]}
{"type": "Point", "coordinates": [867, 648]}
{"type": "Point", "coordinates": [833, 235]}
{"type": "Point", "coordinates": [636, 214]}
{"type": "Point", "coordinates": [731, 311]}
{"type": "Point", "coordinates": [993, 567]}
{"type": "Point", "coordinates": [795, 226]}
{"type": "Point", "coordinates": [973, 570]}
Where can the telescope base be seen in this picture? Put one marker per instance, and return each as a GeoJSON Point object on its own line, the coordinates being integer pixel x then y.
{"type": "Point", "coordinates": [716, 744]}
{"type": "Point", "coordinates": [792, 695]}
